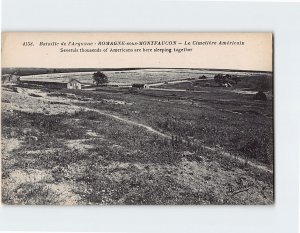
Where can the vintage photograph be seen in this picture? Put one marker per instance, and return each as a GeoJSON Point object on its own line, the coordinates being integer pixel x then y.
{"type": "Point", "coordinates": [144, 130]}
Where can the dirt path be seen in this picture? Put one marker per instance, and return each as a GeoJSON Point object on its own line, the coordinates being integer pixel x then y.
{"type": "Point", "coordinates": [238, 159]}
{"type": "Point", "coordinates": [220, 151]}
{"type": "Point", "coordinates": [174, 90]}
{"type": "Point", "coordinates": [148, 128]}
{"type": "Point", "coordinates": [176, 81]}
{"type": "Point", "coordinates": [154, 131]}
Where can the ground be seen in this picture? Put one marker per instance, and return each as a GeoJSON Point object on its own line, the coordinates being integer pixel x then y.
{"type": "Point", "coordinates": [118, 146]}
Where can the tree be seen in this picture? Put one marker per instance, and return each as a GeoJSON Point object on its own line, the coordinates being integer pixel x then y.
{"type": "Point", "coordinates": [100, 78]}
{"type": "Point", "coordinates": [220, 79]}
{"type": "Point", "coordinates": [260, 96]}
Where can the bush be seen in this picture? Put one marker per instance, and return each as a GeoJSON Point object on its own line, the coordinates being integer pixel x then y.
{"type": "Point", "coordinates": [100, 78]}
{"type": "Point", "coordinates": [260, 96]}
{"type": "Point", "coordinates": [30, 194]}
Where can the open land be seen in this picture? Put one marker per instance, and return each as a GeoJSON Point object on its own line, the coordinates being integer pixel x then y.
{"type": "Point", "coordinates": [190, 142]}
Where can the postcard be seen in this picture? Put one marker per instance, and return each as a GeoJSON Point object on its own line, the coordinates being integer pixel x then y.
{"type": "Point", "coordinates": [137, 118]}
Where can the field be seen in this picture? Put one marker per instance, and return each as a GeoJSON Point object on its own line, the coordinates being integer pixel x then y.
{"type": "Point", "coordinates": [131, 76]}
{"type": "Point", "coordinates": [213, 145]}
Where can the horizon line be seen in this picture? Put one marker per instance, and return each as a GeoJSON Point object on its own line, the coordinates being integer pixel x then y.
{"type": "Point", "coordinates": [137, 68]}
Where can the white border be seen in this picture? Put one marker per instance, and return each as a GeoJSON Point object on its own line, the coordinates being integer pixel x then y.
{"type": "Point", "coordinates": [91, 15]}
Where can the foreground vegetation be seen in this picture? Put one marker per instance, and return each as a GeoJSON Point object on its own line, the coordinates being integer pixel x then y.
{"type": "Point", "coordinates": [59, 149]}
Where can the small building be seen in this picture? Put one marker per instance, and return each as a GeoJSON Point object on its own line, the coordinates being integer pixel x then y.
{"type": "Point", "coordinates": [71, 84]}
{"type": "Point", "coordinates": [48, 84]}
{"type": "Point", "coordinates": [202, 77]}
{"type": "Point", "coordinates": [228, 84]}
{"type": "Point", "coordinates": [140, 85]}
{"type": "Point", "coordinates": [74, 84]}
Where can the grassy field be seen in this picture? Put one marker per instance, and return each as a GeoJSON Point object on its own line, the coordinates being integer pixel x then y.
{"type": "Point", "coordinates": [123, 77]}
{"type": "Point", "coordinates": [131, 76]}
{"type": "Point", "coordinates": [118, 146]}
{"type": "Point", "coordinates": [230, 120]}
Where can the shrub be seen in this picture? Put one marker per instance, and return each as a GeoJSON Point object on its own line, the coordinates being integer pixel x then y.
{"type": "Point", "coordinates": [30, 193]}
{"type": "Point", "coordinates": [100, 78]}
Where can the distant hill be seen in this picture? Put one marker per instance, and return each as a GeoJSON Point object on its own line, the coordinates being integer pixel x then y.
{"type": "Point", "coordinates": [33, 71]}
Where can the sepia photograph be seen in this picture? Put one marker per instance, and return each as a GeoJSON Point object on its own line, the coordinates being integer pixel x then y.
{"type": "Point", "coordinates": [137, 119]}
